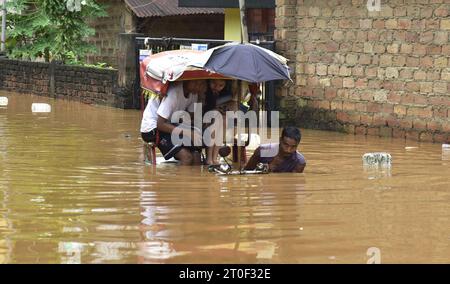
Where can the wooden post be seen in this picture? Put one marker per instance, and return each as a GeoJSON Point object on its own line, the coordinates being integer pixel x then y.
{"type": "Point", "coordinates": [128, 59]}
{"type": "Point", "coordinates": [244, 32]}
{"type": "Point", "coordinates": [3, 36]}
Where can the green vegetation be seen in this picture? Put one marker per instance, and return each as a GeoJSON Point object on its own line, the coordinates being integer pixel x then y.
{"type": "Point", "coordinates": [51, 29]}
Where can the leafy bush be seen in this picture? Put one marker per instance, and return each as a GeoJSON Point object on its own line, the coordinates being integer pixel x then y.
{"type": "Point", "coordinates": [51, 29]}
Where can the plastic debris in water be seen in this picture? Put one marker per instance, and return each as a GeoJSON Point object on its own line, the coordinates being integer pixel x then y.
{"type": "Point", "coordinates": [410, 148]}
{"type": "Point", "coordinates": [3, 101]}
{"type": "Point", "coordinates": [40, 107]}
{"type": "Point", "coordinates": [377, 159]}
{"type": "Point", "coordinates": [446, 152]}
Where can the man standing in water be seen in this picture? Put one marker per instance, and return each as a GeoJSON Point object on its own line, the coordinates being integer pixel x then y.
{"type": "Point", "coordinates": [281, 157]}
{"type": "Point", "coordinates": [180, 96]}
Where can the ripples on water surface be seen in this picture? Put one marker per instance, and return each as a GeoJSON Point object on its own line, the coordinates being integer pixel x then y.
{"type": "Point", "coordinates": [74, 188]}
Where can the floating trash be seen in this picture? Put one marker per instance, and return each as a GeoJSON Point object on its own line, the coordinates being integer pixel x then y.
{"type": "Point", "coordinates": [410, 148]}
{"type": "Point", "coordinates": [3, 101]}
{"type": "Point", "coordinates": [446, 152]}
{"type": "Point", "coordinates": [40, 107]}
{"type": "Point", "coordinates": [377, 159]}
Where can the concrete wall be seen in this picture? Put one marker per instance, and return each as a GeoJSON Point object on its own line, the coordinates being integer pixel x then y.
{"type": "Point", "coordinates": [88, 85]}
{"type": "Point", "coordinates": [382, 73]}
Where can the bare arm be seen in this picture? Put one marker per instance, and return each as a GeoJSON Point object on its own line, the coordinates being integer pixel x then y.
{"type": "Point", "coordinates": [253, 161]}
{"type": "Point", "coordinates": [299, 168]}
{"type": "Point", "coordinates": [163, 125]}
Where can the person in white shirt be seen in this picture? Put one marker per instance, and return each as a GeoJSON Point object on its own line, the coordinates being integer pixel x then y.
{"type": "Point", "coordinates": [149, 119]}
{"type": "Point", "coordinates": [180, 96]}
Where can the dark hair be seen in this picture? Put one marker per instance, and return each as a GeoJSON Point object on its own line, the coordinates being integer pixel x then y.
{"type": "Point", "coordinates": [292, 132]}
{"type": "Point", "coordinates": [211, 100]}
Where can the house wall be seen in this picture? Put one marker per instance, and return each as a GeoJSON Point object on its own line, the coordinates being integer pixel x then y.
{"type": "Point", "coordinates": [381, 73]}
{"type": "Point", "coordinates": [119, 20]}
{"type": "Point", "coordinates": [189, 26]}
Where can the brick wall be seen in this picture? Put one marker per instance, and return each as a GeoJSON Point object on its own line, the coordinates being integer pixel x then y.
{"type": "Point", "coordinates": [382, 73]}
{"type": "Point", "coordinates": [88, 85]}
{"type": "Point", "coordinates": [107, 29]}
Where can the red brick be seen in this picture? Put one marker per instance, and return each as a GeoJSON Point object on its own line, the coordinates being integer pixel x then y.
{"type": "Point", "coordinates": [394, 97]}
{"type": "Point", "coordinates": [379, 120]}
{"type": "Point", "coordinates": [349, 128]}
{"type": "Point", "coordinates": [348, 106]}
{"type": "Point", "coordinates": [386, 132]}
{"type": "Point", "coordinates": [442, 11]}
{"type": "Point", "coordinates": [432, 24]}
{"type": "Point", "coordinates": [434, 49]}
{"type": "Point", "coordinates": [387, 108]}
{"type": "Point", "coordinates": [318, 93]}
{"type": "Point", "coordinates": [330, 93]}
{"type": "Point", "coordinates": [419, 49]}
{"type": "Point", "coordinates": [324, 105]}
{"type": "Point", "coordinates": [373, 107]}
{"type": "Point", "coordinates": [412, 37]}
{"type": "Point", "coordinates": [378, 24]}
{"type": "Point", "coordinates": [440, 113]}
{"type": "Point", "coordinates": [366, 119]}
{"type": "Point", "coordinates": [420, 99]}
{"type": "Point", "coordinates": [305, 92]}
{"type": "Point", "coordinates": [355, 118]}
{"type": "Point", "coordinates": [393, 121]}
{"type": "Point", "coordinates": [412, 135]}
{"type": "Point", "coordinates": [337, 82]}
{"type": "Point", "coordinates": [398, 133]}
{"type": "Point", "coordinates": [426, 137]}
{"type": "Point", "coordinates": [422, 112]}
{"type": "Point", "coordinates": [362, 107]}
{"type": "Point", "coordinates": [406, 123]}
{"type": "Point", "coordinates": [446, 126]}
{"type": "Point", "coordinates": [361, 130]}
{"type": "Point", "coordinates": [419, 124]}
{"type": "Point", "coordinates": [331, 47]}
{"type": "Point", "coordinates": [336, 105]}
{"type": "Point", "coordinates": [404, 24]}
{"type": "Point", "coordinates": [361, 83]}
{"type": "Point", "coordinates": [434, 126]}
{"type": "Point", "coordinates": [412, 87]}
{"type": "Point", "coordinates": [440, 137]}
{"type": "Point", "coordinates": [412, 62]}
{"type": "Point", "coordinates": [373, 131]}
{"type": "Point", "coordinates": [342, 116]}
{"type": "Point", "coordinates": [446, 49]}
{"type": "Point", "coordinates": [426, 61]}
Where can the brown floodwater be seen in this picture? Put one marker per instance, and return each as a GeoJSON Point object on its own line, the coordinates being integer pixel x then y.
{"type": "Point", "coordinates": [74, 189]}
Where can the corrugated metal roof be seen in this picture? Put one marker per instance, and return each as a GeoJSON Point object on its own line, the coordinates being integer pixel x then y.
{"type": "Point", "coordinates": [161, 8]}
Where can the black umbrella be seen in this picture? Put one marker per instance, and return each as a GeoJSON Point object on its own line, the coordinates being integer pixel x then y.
{"type": "Point", "coordinates": [247, 62]}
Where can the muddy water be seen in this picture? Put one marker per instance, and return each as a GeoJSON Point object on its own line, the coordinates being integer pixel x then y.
{"type": "Point", "coordinates": [74, 189]}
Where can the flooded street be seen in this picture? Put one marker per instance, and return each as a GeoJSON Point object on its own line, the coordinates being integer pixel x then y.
{"type": "Point", "coordinates": [74, 189]}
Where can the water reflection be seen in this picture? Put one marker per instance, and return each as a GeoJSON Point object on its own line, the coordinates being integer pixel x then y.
{"type": "Point", "coordinates": [74, 189]}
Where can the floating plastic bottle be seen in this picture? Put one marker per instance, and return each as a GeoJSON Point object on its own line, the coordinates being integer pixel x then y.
{"type": "Point", "coordinates": [382, 159]}
{"type": "Point", "coordinates": [41, 107]}
{"type": "Point", "coordinates": [3, 101]}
